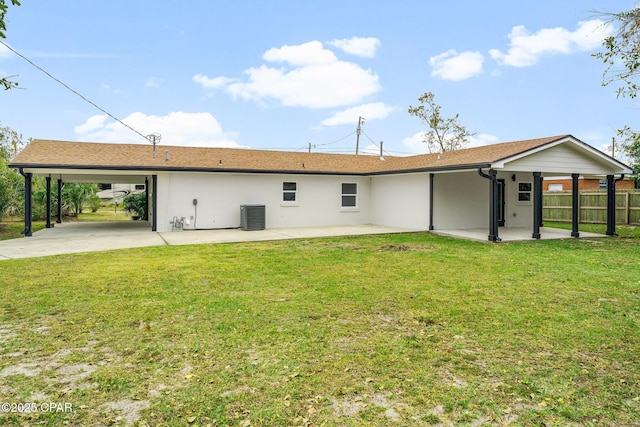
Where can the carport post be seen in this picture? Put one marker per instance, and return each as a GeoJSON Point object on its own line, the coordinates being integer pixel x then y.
{"type": "Point", "coordinates": [431, 175]}
{"type": "Point", "coordinates": [537, 204]}
{"type": "Point", "coordinates": [494, 205]}
{"type": "Point", "coordinates": [48, 219]}
{"type": "Point", "coordinates": [575, 205]}
{"type": "Point", "coordinates": [154, 203]}
{"type": "Point", "coordinates": [27, 203]}
{"type": "Point", "coordinates": [146, 199]}
{"type": "Point", "coordinates": [611, 204]}
{"type": "Point", "coordinates": [59, 219]}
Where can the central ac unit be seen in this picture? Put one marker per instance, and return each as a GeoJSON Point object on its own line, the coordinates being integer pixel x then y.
{"type": "Point", "coordinates": [252, 217]}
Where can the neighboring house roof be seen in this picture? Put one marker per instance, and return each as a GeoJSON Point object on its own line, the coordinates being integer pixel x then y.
{"type": "Point", "coordinates": [49, 154]}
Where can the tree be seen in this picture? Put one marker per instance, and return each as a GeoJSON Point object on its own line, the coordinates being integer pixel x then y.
{"type": "Point", "coordinates": [445, 134]}
{"type": "Point", "coordinates": [621, 57]}
{"type": "Point", "coordinates": [621, 54]}
{"type": "Point", "coordinates": [11, 183]}
{"type": "Point", "coordinates": [5, 82]}
{"type": "Point", "coordinates": [78, 194]}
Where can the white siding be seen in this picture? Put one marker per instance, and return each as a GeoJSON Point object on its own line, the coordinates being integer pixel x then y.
{"type": "Point", "coordinates": [560, 159]}
{"type": "Point", "coordinates": [220, 196]}
{"type": "Point", "coordinates": [460, 200]}
{"type": "Point", "coordinates": [516, 213]}
{"type": "Point", "coordinates": [400, 200]}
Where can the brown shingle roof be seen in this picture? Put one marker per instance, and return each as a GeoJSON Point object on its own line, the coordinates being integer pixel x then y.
{"type": "Point", "coordinates": [85, 155]}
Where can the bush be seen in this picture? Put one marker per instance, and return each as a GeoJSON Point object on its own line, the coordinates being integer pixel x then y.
{"type": "Point", "coordinates": [136, 204]}
{"type": "Point", "coordinates": [94, 202]}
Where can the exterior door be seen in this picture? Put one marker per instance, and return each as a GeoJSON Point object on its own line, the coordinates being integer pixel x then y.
{"type": "Point", "coordinates": [501, 202]}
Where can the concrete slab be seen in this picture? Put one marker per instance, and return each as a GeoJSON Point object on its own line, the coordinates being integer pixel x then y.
{"type": "Point", "coordinates": [513, 234]}
{"type": "Point", "coordinates": [76, 237]}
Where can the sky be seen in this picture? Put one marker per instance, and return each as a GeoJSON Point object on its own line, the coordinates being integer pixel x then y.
{"type": "Point", "coordinates": [296, 75]}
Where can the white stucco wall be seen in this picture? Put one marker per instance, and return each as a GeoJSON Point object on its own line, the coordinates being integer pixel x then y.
{"type": "Point", "coordinates": [220, 196]}
{"type": "Point", "coordinates": [401, 200]}
{"type": "Point", "coordinates": [460, 200]}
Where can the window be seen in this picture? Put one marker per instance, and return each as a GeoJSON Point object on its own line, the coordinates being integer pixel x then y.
{"type": "Point", "coordinates": [524, 191]}
{"type": "Point", "coordinates": [139, 186]}
{"type": "Point", "coordinates": [603, 184]}
{"type": "Point", "coordinates": [103, 187]}
{"type": "Point", "coordinates": [349, 195]}
{"type": "Point", "coordinates": [289, 192]}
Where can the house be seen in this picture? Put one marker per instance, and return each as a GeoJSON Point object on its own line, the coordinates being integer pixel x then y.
{"type": "Point", "coordinates": [204, 188]}
{"type": "Point", "coordinates": [584, 184]}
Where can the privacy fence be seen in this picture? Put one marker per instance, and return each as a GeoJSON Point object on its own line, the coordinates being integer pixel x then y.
{"type": "Point", "coordinates": [556, 206]}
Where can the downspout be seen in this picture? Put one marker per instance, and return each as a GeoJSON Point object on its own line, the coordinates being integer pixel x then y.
{"type": "Point", "coordinates": [493, 204]}
{"type": "Point", "coordinates": [27, 203]}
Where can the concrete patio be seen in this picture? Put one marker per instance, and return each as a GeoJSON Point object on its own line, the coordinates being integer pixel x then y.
{"type": "Point", "coordinates": [513, 234]}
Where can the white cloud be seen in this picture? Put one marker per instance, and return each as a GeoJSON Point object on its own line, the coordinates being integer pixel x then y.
{"type": "Point", "coordinates": [208, 83]}
{"type": "Point", "coordinates": [452, 65]}
{"type": "Point", "coordinates": [315, 78]}
{"type": "Point", "coordinates": [93, 123]}
{"type": "Point", "coordinates": [176, 128]}
{"type": "Point", "coordinates": [154, 82]}
{"type": "Point", "coordinates": [359, 46]}
{"type": "Point", "coordinates": [371, 111]}
{"type": "Point", "coordinates": [525, 49]}
{"type": "Point", "coordinates": [481, 139]}
{"type": "Point", "coordinates": [310, 53]}
{"type": "Point", "coordinates": [416, 145]}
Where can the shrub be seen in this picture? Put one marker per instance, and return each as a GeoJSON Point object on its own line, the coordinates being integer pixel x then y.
{"type": "Point", "coordinates": [136, 204]}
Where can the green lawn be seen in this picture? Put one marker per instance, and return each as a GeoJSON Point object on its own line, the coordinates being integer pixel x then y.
{"type": "Point", "coordinates": [408, 329]}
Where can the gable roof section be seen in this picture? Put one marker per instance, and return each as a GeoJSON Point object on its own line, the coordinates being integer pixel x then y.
{"type": "Point", "coordinates": [49, 154]}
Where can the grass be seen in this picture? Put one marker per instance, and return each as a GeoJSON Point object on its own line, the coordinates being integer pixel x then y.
{"type": "Point", "coordinates": [408, 329]}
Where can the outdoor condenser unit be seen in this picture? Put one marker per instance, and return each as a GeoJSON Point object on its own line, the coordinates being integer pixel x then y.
{"type": "Point", "coordinates": [252, 217]}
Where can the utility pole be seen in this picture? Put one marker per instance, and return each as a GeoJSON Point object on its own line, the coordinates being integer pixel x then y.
{"type": "Point", "coordinates": [613, 147]}
{"type": "Point", "coordinates": [309, 147]}
{"type": "Point", "coordinates": [360, 123]}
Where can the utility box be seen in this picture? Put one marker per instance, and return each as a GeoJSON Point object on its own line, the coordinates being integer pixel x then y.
{"type": "Point", "coordinates": [252, 217]}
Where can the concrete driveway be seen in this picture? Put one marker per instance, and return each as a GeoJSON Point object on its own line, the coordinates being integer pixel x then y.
{"type": "Point", "coordinates": [75, 237]}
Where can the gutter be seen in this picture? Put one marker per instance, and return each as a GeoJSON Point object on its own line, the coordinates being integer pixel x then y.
{"type": "Point", "coordinates": [152, 169]}
{"type": "Point", "coordinates": [493, 204]}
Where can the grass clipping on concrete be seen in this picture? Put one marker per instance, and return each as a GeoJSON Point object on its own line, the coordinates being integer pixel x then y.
{"type": "Point", "coordinates": [409, 329]}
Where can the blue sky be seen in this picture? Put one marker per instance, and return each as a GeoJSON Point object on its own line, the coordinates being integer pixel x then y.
{"type": "Point", "coordinates": [282, 74]}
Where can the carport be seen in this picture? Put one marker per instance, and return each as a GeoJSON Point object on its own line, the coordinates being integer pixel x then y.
{"type": "Point", "coordinates": [87, 175]}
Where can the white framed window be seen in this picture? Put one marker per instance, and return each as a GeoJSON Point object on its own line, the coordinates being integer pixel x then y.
{"type": "Point", "coordinates": [525, 192]}
{"type": "Point", "coordinates": [349, 195]}
{"type": "Point", "coordinates": [289, 192]}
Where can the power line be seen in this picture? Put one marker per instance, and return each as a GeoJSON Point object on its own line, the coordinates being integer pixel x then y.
{"type": "Point", "coordinates": [71, 89]}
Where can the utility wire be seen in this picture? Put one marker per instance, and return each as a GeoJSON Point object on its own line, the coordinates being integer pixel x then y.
{"type": "Point", "coordinates": [70, 89]}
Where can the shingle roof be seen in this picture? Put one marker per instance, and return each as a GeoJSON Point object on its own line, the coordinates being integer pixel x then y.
{"type": "Point", "coordinates": [86, 155]}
